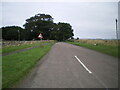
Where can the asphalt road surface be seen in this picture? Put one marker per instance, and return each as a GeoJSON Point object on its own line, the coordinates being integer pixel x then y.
{"type": "Point", "coordinates": [70, 66]}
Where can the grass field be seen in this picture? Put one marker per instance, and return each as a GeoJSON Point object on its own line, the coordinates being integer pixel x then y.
{"type": "Point", "coordinates": [100, 42]}
{"type": "Point", "coordinates": [0, 72]}
{"type": "Point", "coordinates": [0, 65]}
{"type": "Point", "coordinates": [109, 47]}
{"type": "Point", "coordinates": [17, 45]}
{"type": "Point", "coordinates": [17, 65]}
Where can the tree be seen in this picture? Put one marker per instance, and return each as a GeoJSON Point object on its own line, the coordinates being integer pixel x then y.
{"type": "Point", "coordinates": [12, 33]}
{"type": "Point", "coordinates": [77, 38]}
{"type": "Point", "coordinates": [62, 31]}
{"type": "Point", "coordinates": [40, 23]}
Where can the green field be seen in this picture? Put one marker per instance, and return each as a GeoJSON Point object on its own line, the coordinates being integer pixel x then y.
{"type": "Point", "coordinates": [110, 48]}
{"type": "Point", "coordinates": [0, 72]}
{"type": "Point", "coordinates": [16, 66]}
{"type": "Point", "coordinates": [19, 46]}
{"type": "Point", "coordinates": [14, 48]}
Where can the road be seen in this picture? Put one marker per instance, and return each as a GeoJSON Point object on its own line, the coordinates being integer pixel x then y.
{"type": "Point", "coordinates": [70, 66]}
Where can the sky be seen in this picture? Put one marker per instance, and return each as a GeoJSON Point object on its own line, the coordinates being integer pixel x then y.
{"type": "Point", "coordinates": [93, 20]}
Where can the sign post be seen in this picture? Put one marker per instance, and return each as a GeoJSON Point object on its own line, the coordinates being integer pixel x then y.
{"type": "Point", "coordinates": [40, 36]}
{"type": "Point", "coordinates": [116, 29]}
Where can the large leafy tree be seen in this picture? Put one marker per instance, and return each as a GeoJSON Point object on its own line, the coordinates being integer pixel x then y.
{"type": "Point", "coordinates": [62, 31]}
{"type": "Point", "coordinates": [40, 23]}
{"type": "Point", "coordinates": [12, 33]}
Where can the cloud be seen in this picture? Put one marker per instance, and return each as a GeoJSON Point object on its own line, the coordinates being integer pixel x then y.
{"type": "Point", "coordinates": [88, 19]}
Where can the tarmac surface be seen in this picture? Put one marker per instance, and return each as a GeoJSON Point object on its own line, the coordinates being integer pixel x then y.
{"type": "Point", "coordinates": [70, 66]}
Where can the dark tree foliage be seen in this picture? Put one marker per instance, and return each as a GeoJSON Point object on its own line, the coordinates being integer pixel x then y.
{"type": "Point", "coordinates": [62, 31]}
{"type": "Point", "coordinates": [12, 33]}
{"type": "Point", "coordinates": [43, 23]}
{"type": "Point", "coordinates": [40, 23]}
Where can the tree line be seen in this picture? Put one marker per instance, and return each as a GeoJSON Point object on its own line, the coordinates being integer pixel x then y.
{"type": "Point", "coordinates": [40, 23]}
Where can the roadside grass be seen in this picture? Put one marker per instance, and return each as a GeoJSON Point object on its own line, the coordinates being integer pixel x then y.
{"type": "Point", "coordinates": [100, 42]}
{"type": "Point", "coordinates": [107, 49]}
{"type": "Point", "coordinates": [0, 50]}
{"type": "Point", "coordinates": [0, 65]}
{"type": "Point", "coordinates": [17, 65]}
{"type": "Point", "coordinates": [12, 48]}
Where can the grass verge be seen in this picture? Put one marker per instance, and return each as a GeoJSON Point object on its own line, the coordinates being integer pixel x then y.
{"type": "Point", "coordinates": [18, 47]}
{"type": "Point", "coordinates": [17, 65]}
{"type": "Point", "coordinates": [110, 50]}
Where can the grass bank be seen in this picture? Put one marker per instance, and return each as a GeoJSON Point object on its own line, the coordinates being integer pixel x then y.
{"type": "Point", "coordinates": [100, 42]}
{"type": "Point", "coordinates": [103, 48]}
{"type": "Point", "coordinates": [17, 65]}
{"type": "Point", "coordinates": [17, 45]}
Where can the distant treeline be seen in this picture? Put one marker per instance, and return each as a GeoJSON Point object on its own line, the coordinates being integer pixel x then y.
{"type": "Point", "coordinates": [40, 23]}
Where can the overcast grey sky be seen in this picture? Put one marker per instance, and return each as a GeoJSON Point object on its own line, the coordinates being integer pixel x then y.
{"type": "Point", "coordinates": [88, 19]}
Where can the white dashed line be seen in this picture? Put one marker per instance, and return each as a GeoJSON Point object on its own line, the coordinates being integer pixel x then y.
{"type": "Point", "coordinates": [83, 65]}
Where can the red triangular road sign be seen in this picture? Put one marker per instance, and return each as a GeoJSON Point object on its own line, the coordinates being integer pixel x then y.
{"type": "Point", "coordinates": [40, 36]}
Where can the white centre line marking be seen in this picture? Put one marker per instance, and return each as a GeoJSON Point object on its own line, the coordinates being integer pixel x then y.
{"type": "Point", "coordinates": [83, 65]}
